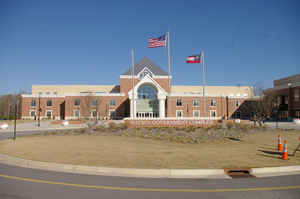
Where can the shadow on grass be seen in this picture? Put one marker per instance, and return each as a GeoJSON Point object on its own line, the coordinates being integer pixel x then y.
{"type": "Point", "coordinates": [234, 139]}
{"type": "Point", "coordinates": [268, 148]}
{"type": "Point", "coordinates": [270, 156]}
{"type": "Point", "coordinates": [270, 152]}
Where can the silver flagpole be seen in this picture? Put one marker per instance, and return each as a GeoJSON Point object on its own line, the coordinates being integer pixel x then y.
{"type": "Point", "coordinates": [203, 86]}
{"type": "Point", "coordinates": [169, 72]}
{"type": "Point", "coordinates": [132, 75]}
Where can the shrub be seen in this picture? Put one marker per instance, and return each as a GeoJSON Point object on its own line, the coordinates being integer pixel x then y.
{"type": "Point", "coordinates": [123, 126]}
{"type": "Point", "coordinates": [229, 124]}
{"type": "Point", "coordinates": [112, 126]}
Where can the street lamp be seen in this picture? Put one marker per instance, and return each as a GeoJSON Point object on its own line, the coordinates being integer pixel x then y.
{"type": "Point", "coordinates": [39, 110]}
{"type": "Point", "coordinates": [15, 123]}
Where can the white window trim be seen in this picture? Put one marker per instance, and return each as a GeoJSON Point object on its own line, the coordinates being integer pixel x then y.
{"type": "Point", "coordinates": [92, 113]}
{"type": "Point", "coordinates": [181, 113]}
{"type": "Point", "coordinates": [49, 111]}
{"type": "Point", "coordinates": [181, 102]}
{"type": "Point", "coordinates": [112, 110]}
{"type": "Point", "coordinates": [32, 111]}
{"type": "Point", "coordinates": [75, 114]}
{"type": "Point", "coordinates": [195, 105]}
{"type": "Point", "coordinates": [214, 101]}
{"type": "Point", "coordinates": [194, 113]}
{"type": "Point", "coordinates": [34, 103]}
{"type": "Point", "coordinates": [114, 102]}
{"type": "Point", "coordinates": [47, 103]}
{"type": "Point", "coordinates": [210, 111]}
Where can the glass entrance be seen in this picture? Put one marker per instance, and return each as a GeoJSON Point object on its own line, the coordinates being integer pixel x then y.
{"type": "Point", "coordinates": [147, 102]}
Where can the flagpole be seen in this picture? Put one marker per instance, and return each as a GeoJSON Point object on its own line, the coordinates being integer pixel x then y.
{"type": "Point", "coordinates": [169, 72]}
{"type": "Point", "coordinates": [203, 86]}
{"type": "Point", "coordinates": [132, 76]}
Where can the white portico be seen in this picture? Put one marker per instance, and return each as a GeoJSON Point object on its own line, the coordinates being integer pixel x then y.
{"type": "Point", "coordinates": [147, 99]}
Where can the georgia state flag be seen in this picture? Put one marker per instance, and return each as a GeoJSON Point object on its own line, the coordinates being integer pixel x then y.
{"type": "Point", "coordinates": [193, 59]}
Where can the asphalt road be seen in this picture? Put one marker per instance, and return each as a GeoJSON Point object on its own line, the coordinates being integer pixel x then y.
{"type": "Point", "coordinates": [25, 183]}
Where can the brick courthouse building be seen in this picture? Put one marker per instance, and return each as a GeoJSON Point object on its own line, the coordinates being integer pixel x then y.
{"type": "Point", "coordinates": [151, 98]}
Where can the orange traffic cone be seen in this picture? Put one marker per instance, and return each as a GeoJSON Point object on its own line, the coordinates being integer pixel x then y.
{"type": "Point", "coordinates": [279, 146]}
{"type": "Point", "coordinates": [285, 151]}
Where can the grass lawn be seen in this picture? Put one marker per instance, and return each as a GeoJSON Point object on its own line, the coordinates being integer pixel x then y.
{"type": "Point", "coordinates": [255, 150]}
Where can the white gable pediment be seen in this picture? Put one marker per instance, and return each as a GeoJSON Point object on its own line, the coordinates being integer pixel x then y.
{"type": "Point", "coordinates": [143, 73]}
{"type": "Point", "coordinates": [161, 93]}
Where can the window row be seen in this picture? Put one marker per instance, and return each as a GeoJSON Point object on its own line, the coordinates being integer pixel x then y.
{"type": "Point", "coordinates": [48, 103]}
{"type": "Point", "coordinates": [48, 93]}
{"type": "Point", "coordinates": [213, 102]}
{"type": "Point", "coordinates": [196, 113]}
{"type": "Point", "coordinates": [112, 113]}
{"type": "Point", "coordinates": [95, 102]}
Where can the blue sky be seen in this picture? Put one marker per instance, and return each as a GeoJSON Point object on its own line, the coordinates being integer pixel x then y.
{"type": "Point", "coordinates": [89, 41]}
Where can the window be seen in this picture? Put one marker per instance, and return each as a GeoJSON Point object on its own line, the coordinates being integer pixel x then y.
{"type": "Point", "coordinates": [195, 102]}
{"type": "Point", "coordinates": [55, 93]}
{"type": "Point", "coordinates": [213, 113]}
{"type": "Point", "coordinates": [237, 103]}
{"type": "Point", "coordinates": [147, 91]}
{"type": "Point", "coordinates": [49, 103]}
{"type": "Point", "coordinates": [112, 113]}
{"type": "Point", "coordinates": [196, 113]}
{"type": "Point", "coordinates": [49, 114]}
{"type": "Point", "coordinates": [77, 102]}
{"type": "Point", "coordinates": [179, 102]}
{"type": "Point", "coordinates": [32, 113]}
{"type": "Point", "coordinates": [77, 113]}
{"type": "Point", "coordinates": [94, 113]}
{"type": "Point", "coordinates": [47, 93]}
{"type": "Point", "coordinates": [112, 102]}
{"type": "Point", "coordinates": [94, 102]}
{"type": "Point", "coordinates": [178, 113]}
{"type": "Point", "coordinates": [32, 102]}
{"type": "Point", "coordinates": [40, 93]}
{"type": "Point", "coordinates": [213, 102]}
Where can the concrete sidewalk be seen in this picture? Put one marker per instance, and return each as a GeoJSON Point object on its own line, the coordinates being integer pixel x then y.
{"type": "Point", "coordinates": [44, 125]}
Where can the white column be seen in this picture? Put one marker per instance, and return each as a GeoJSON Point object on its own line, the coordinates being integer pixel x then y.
{"type": "Point", "coordinates": [131, 108]}
{"type": "Point", "coordinates": [161, 108]}
{"type": "Point", "coordinates": [134, 105]}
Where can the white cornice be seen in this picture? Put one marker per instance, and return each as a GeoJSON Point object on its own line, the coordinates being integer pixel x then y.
{"type": "Point", "coordinates": [72, 94]}
{"type": "Point", "coordinates": [136, 76]}
{"type": "Point", "coordinates": [201, 95]}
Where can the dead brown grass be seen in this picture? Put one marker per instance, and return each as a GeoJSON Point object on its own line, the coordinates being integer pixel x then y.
{"type": "Point", "coordinates": [257, 150]}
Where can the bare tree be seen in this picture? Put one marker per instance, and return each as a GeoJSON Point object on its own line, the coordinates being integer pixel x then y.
{"type": "Point", "coordinates": [88, 104]}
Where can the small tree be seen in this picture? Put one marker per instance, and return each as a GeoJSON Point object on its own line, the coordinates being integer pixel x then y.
{"type": "Point", "coordinates": [88, 104]}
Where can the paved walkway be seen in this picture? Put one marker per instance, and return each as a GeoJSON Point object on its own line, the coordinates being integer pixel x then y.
{"type": "Point", "coordinates": [44, 125]}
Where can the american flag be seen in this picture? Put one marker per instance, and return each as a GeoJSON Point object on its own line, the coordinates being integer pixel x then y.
{"type": "Point", "coordinates": [157, 42]}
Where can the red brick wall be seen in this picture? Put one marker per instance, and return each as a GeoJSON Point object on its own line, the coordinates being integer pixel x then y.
{"type": "Point", "coordinates": [187, 106]}
{"type": "Point", "coordinates": [126, 84]}
{"type": "Point", "coordinates": [26, 106]}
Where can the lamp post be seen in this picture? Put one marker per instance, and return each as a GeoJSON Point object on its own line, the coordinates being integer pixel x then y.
{"type": "Point", "coordinates": [39, 110]}
{"type": "Point", "coordinates": [15, 123]}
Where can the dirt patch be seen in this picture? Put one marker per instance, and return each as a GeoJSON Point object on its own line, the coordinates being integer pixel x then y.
{"type": "Point", "coordinates": [254, 150]}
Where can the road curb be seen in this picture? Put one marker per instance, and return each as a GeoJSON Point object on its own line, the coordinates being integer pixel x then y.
{"type": "Point", "coordinates": [145, 173]}
{"type": "Point", "coordinates": [123, 172]}
{"type": "Point", "coordinates": [276, 171]}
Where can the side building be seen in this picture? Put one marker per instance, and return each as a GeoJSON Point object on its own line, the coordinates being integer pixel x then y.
{"type": "Point", "coordinates": [147, 95]}
{"type": "Point", "coordinates": [287, 90]}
